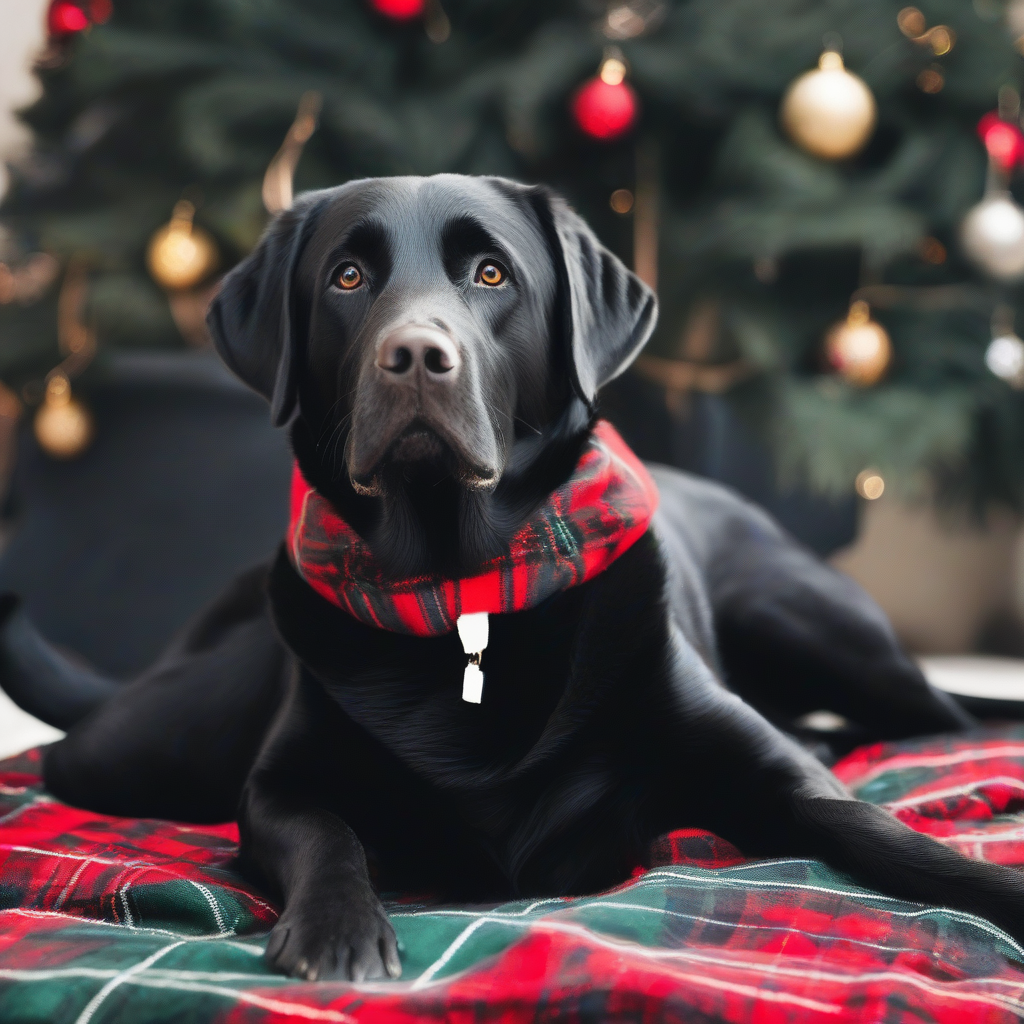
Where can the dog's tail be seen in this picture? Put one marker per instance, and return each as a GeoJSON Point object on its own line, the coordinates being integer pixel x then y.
{"type": "Point", "coordinates": [41, 680]}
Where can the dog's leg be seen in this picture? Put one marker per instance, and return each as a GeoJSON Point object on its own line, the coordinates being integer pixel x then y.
{"type": "Point", "coordinates": [179, 741]}
{"type": "Point", "coordinates": [332, 924]}
{"type": "Point", "coordinates": [796, 635]}
{"type": "Point", "coordinates": [772, 798]}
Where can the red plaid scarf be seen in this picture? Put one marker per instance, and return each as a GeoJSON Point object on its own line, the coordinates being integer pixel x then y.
{"type": "Point", "coordinates": [604, 507]}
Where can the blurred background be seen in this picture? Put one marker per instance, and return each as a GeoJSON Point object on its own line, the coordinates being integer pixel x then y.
{"type": "Point", "coordinates": [825, 197]}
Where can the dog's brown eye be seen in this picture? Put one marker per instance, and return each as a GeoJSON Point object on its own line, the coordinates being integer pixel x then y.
{"type": "Point", "coordinates": [349, 277]}
{"type": "Point", "coordinates": [490, 273]}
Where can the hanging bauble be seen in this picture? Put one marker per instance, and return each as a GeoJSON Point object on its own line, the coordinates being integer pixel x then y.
{"type": "Point", "coordinates": [1003, 139]}
{"type": "Point", "coordinates": [65, 18]}
{"type": "Point", "coordinates": [63, 426]}
{"type": "Point", "coordinates": [992, 234]}
{"type": "Point", "coordinates": [606, 107]}
{"type": "Point", "coordinates": [829, 112]}
{"type": "Point", "coordinates": [399, 10]}
{"type": "Point", "coordinates": [858, 347]}
{"type": "Point", "coordinates": [869, 484]}
{"type": "Point", "coordinates": [180, 255]}
{"type": "Point", "coordinates": [1005, 358]}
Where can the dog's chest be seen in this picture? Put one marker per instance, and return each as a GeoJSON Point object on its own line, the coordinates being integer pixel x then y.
{"type": "Point", "coordinates": [517, 769]}
{"type": "Point", "coordinates": [408, 695]}
{"type": "Point", "coordinates": [538, 721]}
{"type": "Point", "coordinates": [415, 708]}
{"type": "Point", "coordinates": [547, 753]}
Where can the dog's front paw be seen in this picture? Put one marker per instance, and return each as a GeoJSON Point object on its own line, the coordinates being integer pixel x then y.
{"type": "Point", "coordinates": [344, 936]}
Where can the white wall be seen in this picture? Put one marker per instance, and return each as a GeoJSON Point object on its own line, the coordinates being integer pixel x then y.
{"type": "Point", "coordinates": [22, 34]}
{"type": "Point", "coordinates": [939, 578]}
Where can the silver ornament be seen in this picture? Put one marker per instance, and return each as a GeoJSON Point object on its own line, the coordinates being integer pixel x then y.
{"type": "Point", "coordinates": [1005, 358]}
{"type": "Point", "coordinates": [992, 234]}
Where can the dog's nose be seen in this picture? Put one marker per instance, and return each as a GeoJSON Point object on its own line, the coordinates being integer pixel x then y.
{"type": "Point", "coordinates": [416, 345]}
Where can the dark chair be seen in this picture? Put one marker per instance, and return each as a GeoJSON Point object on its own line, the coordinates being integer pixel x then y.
{"type": "Point", "coordinates": [185, 484]}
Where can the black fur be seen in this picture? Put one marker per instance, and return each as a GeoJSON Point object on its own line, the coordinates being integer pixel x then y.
{"type": "Point", "coordinates": [612, 712]}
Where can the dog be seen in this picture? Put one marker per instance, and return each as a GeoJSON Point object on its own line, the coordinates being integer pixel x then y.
{"type": "Point", "coordinates": [436, 347]}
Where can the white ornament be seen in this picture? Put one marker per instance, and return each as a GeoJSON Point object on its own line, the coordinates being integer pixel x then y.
{"type": "Point", "coordinates": [1005, 358]}
{"type": "Point", "coordinates": [473, 632]}
{"type": "Point", "coordinates": [993, 236]}
{"type": "Point", "coordinates": [829, 112]}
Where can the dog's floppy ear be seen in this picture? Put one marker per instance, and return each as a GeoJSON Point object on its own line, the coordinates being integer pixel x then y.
{"type": "Point", "coordinates": [608, 312]}
{"type": "Point", "coordinates": [251, 318]}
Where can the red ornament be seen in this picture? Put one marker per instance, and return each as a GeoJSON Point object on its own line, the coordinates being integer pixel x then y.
{"type": "Point", "coordinates": [399, 10]}
{"type": "Point", "coordinates": [65, 19]}
{"type": "Point", "coordinates": [604, 110]}
{"type": "Point", "coordinates": [1003, 140]}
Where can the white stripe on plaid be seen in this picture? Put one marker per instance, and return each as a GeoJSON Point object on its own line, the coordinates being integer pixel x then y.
{"type": "Point", "coordinates": [941, 794]}
{"type": "Point", "coordinates": [95, 922]}
{"type": "Point", "coordinates": [279, 1006]}
{"type": "Point", "coordinates": [855, 893]}
{"type": "Point", "coordinates": [142, 974]}
{"type": "Point", "coordinates": [662, 954]}
{"type": "Point", "coordinates": [119, 979]}
{"type": "Point", "coordinates": [900, 761]}
{"type": "Point", "coordinates": [147, 865]}
{"type": "Point", "coordinates": [453, 947]}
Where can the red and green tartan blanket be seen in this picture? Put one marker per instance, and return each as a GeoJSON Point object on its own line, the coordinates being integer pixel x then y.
{"type": "Point", "coordinates": [107, 920]}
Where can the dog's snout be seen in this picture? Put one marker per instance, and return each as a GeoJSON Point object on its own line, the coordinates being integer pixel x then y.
{"type": "Point", "coordinates": [405, 350]}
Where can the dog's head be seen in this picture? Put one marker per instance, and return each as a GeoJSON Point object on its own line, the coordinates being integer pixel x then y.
{"type": "Point", "coordinates": [433, 338]}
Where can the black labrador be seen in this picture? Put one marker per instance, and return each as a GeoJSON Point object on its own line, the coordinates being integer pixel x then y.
{"type": "Point", "coordinates": [613, 711]}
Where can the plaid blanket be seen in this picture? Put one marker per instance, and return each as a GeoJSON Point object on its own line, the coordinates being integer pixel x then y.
{"type": "Point", "coordinates": [115, 920]}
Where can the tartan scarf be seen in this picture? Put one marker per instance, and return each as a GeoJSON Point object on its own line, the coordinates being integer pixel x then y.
{"type": "Point", "coordinates": [582, 527]}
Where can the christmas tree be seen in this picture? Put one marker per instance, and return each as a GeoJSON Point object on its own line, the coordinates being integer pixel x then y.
{"type": "Point", "coordinates": [809, 246]}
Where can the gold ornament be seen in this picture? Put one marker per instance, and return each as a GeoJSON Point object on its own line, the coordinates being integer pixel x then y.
{"type": "Point", "coordinates": [63, 426]}
{"type": "Point", "coordinates": [940, 39]}
{"type": "Point", "coordinates": [829, 112]}
{"type": "Point", "coordinates": [180, 254]}
{"type": "Point", "coordinates": [858, 347]}
{"type": "Point", "coordinates": [621, 200]}
{"type": "Point", "coordinates": [870, 484]}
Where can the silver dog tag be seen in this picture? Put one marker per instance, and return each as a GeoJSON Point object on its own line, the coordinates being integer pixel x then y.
{"type": "Point", "coordinates": [473, 684]}
{"type": "Point", "coordinates": [473, 632]}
